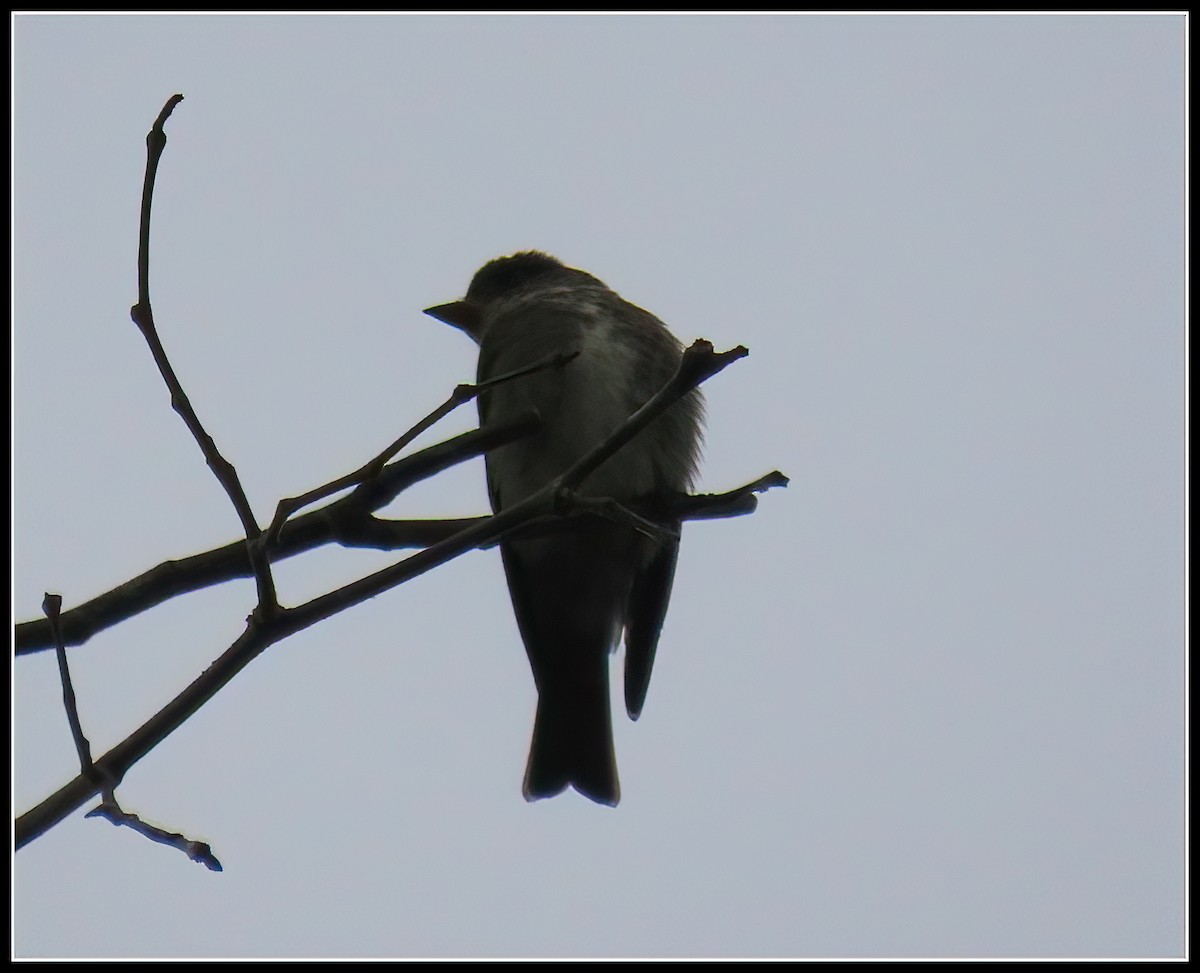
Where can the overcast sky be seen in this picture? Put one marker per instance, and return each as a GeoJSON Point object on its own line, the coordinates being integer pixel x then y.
{"type": "Point", "coordinates": [927, 701]}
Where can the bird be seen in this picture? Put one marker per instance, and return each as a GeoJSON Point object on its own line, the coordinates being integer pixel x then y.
{"type": "Point", "coordinates": [575, 590]}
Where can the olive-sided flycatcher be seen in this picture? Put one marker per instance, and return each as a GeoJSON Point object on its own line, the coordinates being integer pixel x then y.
{"type": "Point", "coordinates": [574, 590]}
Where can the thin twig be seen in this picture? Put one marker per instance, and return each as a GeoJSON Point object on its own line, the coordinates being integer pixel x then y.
{"type": "Point", "coordinates": [462, 393]}
{"type": "Point", "coordinates": [732, 503]}
{"type": "Point", "coordinates": [197, 851]}
{"type": "Point", "coordinates": [616, 512]}
{"type": "Point", "coordinates": [51, 604]}
{"type": "Point", "coordinates": [101, 776]}
{"type": "Point", "coordinates": [143, 317]}
{"type": "Point", "coordinates": [698, 364]}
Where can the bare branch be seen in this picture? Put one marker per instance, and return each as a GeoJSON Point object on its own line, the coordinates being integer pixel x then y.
{"type": "Point", "coordinates": [461, 394]}
{"type": "Point", "coordinates": [698, 364]}
{"type": "Point", "coordinates": [733, 503]}
{"type": "Point", "coordinates": [616, 512]}
{"type": "Point", "coordinates": [51, 605]}
{"type": "Point", "coordinates": [143, 317]}
{"type": "Point", "coordinates": [197, 851]}
{"type": "Point", "coordinates": [262, 632]}
{"type": "Point", "coordinates": [340, 523]}
{"type": "Point", "coordinates": [346, 521]}
{"type": "Point", "coordinates": [117, 761]}
{"type": "Point", "coordinates": [109, 807]}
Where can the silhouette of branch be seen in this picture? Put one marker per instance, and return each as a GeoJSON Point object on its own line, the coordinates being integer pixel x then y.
{"type": "Point", "coordinates": [109, 807]}
{"type": "Point", "coordinates": [263, 631]}
{"type": "Point", "coordinates": [698, 364]}
{"type": "Point", "coordinates": [732, 503]}
{"type": "Point", "coordinates": [461, 394]}
{"type": "Point", "coordinates": [143, 317]}
{"type": "Point", "coordinates": [197, 851]}
{"type": "Point", "coordinates": [51, 604]}
{"type": "Point", "coordinates": [345, 521]}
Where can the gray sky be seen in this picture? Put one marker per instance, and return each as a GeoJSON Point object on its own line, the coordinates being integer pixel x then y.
{"type": "Point", "coordinates": [927, 701]}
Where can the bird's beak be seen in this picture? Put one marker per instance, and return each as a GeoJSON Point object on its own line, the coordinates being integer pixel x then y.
{"type": "Point", "coordinates": [465, 315]}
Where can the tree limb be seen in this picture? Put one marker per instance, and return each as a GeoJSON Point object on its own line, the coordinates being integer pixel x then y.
{"type": "Point", "coordinates": [261, 633]}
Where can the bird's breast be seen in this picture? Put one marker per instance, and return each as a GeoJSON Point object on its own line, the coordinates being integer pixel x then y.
{"type": "Point", "coordinates": [580, 404]}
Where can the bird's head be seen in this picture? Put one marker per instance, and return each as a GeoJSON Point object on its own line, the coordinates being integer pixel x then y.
{"type": "Point", "coordinates": [495, 279]}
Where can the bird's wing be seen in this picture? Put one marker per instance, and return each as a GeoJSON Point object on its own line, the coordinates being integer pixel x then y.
{"type": "Point", "coordinates": [648, 599]}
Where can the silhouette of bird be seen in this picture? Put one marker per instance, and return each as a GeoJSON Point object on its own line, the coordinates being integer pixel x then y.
{"type": "Point", "coordinates": [575, 590]}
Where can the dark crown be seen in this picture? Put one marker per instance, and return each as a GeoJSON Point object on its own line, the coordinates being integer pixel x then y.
{"type": "Point", "coordinates": [507, 274]}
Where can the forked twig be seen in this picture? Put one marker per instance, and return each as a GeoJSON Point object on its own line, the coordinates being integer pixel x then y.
{"type": "Point", "coordinates": [109, 807]}
{"type": "Point", "coordinates": [372, 468]}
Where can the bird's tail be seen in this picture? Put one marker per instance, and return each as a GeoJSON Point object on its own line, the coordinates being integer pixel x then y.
{"type": "Point", "coordinates": [572, 745]}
